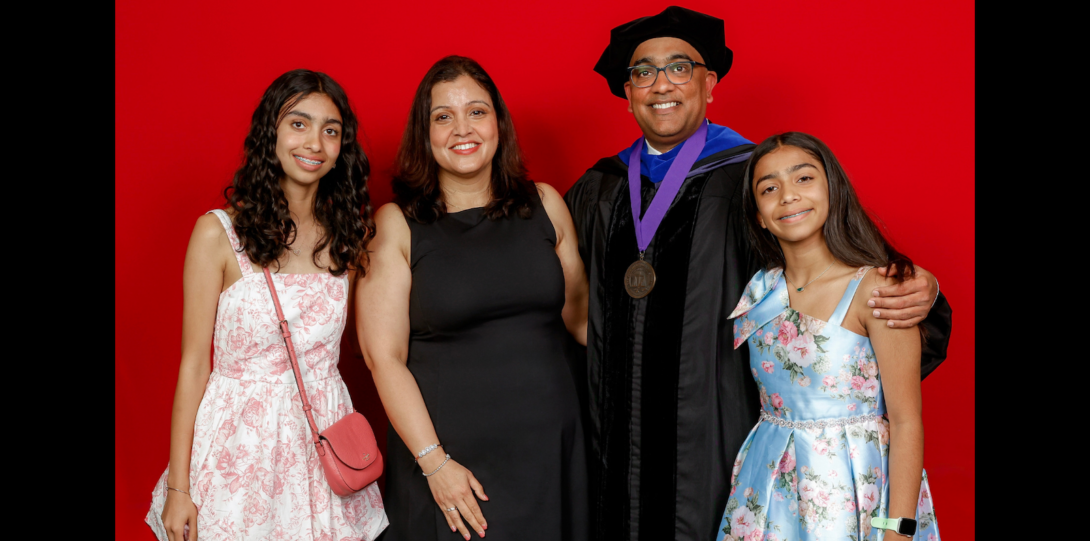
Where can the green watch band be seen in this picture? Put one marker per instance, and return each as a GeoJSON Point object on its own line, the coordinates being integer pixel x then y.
{"type": "Point", "coordinates": [884, 523]}
{"type": "Point", "coordinates": [903, 526]}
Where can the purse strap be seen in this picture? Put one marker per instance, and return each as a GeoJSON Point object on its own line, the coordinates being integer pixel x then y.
{"type": "Point", "coordinates": [286, 333]}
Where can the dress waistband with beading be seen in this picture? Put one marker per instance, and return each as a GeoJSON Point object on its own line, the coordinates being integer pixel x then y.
{"type": "Point", "coordinates": [819, 423]}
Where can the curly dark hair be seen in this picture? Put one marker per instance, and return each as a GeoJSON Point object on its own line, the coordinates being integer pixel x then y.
{"type": "Point", "coordinates": [852, 236]}
{"type": "Point", "coordinates": [416, 175]}
{"type": "Point", "coordinates": [342, 205]}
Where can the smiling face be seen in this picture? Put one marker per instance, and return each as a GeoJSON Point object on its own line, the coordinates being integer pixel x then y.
{"type": "Point", "coordinates": [792, 194]}
{"type": "Point", "coordinates": [308, 139]}
{"type": "Point", "coordinates": [668, 113]}
{"type": "Point", "coordinates": [463, 130]}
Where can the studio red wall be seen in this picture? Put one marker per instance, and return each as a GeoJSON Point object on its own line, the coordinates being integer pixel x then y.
{"type": "Point", "coordinates": [889, 86]}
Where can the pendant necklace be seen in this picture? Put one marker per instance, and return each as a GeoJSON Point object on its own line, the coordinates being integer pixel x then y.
{"type": "Point", "coordinates": [799, 289]}
{"type": "Point", "coordinates": [639, 279]}
{"type": "Point", "coordinates": [294, 250]}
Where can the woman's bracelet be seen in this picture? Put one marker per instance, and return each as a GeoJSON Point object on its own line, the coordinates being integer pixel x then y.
{"type": "Point", "coordinates": [182, 491]}
{"type": "Point", "coordinates": [439, 468]}
{"type": "Point", "coordinates": [427, 450]}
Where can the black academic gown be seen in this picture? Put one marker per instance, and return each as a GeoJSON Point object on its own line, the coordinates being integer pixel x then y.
{"type": "Point", "coordinates": [669, 400]}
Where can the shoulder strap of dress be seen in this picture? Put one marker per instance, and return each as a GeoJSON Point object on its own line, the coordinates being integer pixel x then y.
{"type": "Point", "coordinates": [240, 256]}
{"type": "Point", "coordinates": [849, 294]}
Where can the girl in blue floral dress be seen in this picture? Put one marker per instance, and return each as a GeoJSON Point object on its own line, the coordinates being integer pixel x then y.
{"type": "Point", "coordinates": [840, 438]}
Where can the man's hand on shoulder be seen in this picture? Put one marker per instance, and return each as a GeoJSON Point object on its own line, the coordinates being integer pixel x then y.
{"type": "Point", "coordinates": [906, 303]}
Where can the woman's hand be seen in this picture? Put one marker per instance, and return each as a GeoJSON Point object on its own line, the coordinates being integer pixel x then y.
{"type": "Point", "coordinates": [454, 486]}
{"type": "Point", "coordinates": [178, 512]}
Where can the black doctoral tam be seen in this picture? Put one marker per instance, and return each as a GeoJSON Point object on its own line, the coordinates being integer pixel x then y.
{"type": "Point", "coordinates": [703, 32]}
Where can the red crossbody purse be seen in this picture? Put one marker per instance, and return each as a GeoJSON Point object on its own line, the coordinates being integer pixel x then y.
{"type": "Point", "coordinates": [347, 449]}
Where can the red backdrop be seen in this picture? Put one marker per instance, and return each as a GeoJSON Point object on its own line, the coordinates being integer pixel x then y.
{"type": "Point", "coordinates": [889, 86]}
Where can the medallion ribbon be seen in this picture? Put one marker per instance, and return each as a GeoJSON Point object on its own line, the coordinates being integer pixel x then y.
{"type": "Point", "coordinates": [671, 184]}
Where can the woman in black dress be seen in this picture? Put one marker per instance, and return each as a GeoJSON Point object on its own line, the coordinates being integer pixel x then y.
{"type": "Point", "coordinates": [475, 278]}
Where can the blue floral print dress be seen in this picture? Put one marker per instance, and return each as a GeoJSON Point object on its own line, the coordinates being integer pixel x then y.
{"type": "Point", "coordinates": [816, 464]}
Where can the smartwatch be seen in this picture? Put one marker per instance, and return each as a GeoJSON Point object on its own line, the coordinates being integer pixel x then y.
{"type": "Point", "coordinates": [903, 526]}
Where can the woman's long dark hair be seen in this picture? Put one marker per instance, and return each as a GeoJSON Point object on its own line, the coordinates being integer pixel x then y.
{"type": "Point", "coordinates": [416, 175]}
{"type": "Point", "coordinates": [852, 237]}
{"type": "Point", "coordinates": [342, 205]}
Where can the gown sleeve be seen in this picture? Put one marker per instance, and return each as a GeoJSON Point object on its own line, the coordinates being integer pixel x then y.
{"type": "Point", "coordinates": [937, 330]}
{"type": "Point", "coordinates": [580, 200]}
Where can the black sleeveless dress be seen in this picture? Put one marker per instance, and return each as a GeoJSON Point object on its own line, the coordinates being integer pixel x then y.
{"type": "Point", "coordinates": [488, 349]}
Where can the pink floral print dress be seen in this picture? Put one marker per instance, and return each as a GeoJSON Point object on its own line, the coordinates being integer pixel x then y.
{"type": "Point", "coordinates": [253, 472]}
{"type": "Point", "coordinates": [816, 465]}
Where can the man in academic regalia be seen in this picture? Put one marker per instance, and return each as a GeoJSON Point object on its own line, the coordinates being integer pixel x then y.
{"type": "Point", "coordinates": [669, 400]}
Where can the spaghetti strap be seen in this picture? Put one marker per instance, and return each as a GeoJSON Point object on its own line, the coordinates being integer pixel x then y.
{"type": "Point", "coordinates": [846, 301]}
{"type": "Point", "coordinates": [240, 256]}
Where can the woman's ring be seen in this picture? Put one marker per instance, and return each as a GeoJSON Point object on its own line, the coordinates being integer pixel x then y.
{"type": "Point", "coordinates": [452, 509]}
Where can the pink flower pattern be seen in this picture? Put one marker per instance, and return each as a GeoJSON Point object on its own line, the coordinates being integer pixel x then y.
{"type": "Point", "coordinates": [788, 332]}
{"type": "Point", "coordinates": [253, 472]}
{"type": "Point", "coordinates": [818, 480]}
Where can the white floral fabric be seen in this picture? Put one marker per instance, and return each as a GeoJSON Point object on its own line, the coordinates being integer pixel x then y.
{"type": "Point", "coordinates": [253, 471]}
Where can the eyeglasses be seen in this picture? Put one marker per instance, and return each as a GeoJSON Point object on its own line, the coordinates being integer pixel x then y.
{"type": "Point", "coordinates": [678, 73]}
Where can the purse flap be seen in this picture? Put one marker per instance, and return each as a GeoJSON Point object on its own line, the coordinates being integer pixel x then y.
{"type": "Point", "coordinates": [352, 441]}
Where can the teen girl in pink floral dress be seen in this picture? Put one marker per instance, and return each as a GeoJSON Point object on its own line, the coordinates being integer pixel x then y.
{"type": "Point", "coordinates": [840, 438]}
{"type": "Point", "coordinates": [242, 465]}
